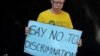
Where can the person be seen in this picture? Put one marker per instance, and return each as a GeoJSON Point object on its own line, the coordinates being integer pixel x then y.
{"type": "Point", "coordinates": [56, 16]}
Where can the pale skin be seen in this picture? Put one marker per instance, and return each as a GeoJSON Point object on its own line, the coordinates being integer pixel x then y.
{"type": "Point", "coordinates": [56, 8]}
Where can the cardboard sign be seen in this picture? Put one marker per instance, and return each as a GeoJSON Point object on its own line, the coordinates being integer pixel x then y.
{"type": "Point", "coordinates": [50, 40]}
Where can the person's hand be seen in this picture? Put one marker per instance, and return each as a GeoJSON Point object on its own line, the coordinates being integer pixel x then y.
{"type": "Point", "coordinates": [80, 43]}
{"type": "Point", "coordinates": [26, 30]}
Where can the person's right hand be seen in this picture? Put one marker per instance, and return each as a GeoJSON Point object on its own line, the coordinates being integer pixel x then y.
{"type": "Point", "coordinates": [26, 30]}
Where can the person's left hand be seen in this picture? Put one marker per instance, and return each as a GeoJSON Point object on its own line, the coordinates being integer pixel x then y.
{"type": "Point", "coordinates": [80, 43]}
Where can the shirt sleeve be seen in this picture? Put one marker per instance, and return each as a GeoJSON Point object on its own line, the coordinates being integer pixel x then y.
{"type": "Point", "coordinates": [70, 25]}
{"type": "Point", "coordinates": [40, 18]}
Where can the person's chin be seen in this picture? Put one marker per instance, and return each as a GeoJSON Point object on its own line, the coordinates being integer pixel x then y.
{"type": "Point", "coordinates": [58, 9]}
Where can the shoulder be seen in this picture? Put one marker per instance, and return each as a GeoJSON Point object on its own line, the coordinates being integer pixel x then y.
{"type": "Point", "coordinates": [44, 12]}
{"type": "Point", "coordinates": [66, 13]}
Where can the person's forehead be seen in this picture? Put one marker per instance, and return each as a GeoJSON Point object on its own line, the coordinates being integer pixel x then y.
{"type": "Point", "coordinates": [60, 0]}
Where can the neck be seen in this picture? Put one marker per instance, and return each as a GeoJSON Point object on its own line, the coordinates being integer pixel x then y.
{"type": "Point", "coordinates": [55, 11]}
